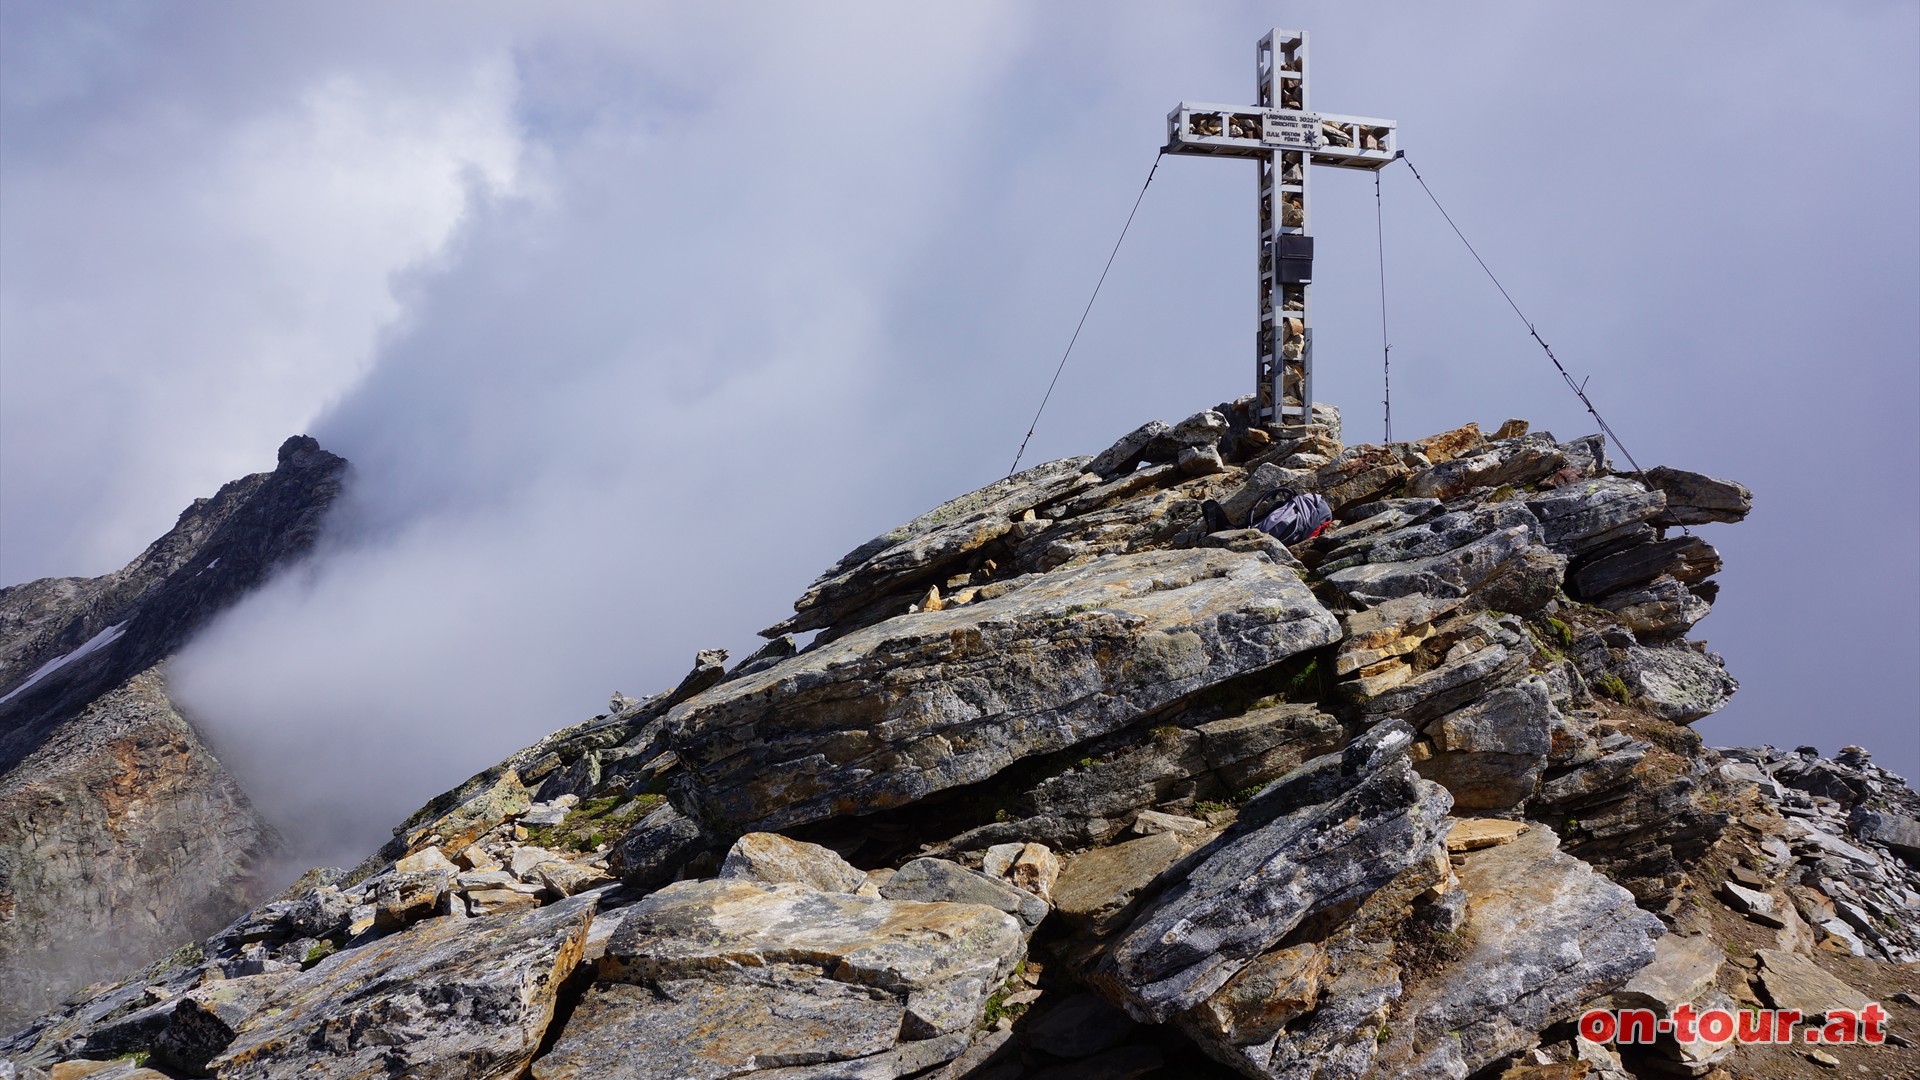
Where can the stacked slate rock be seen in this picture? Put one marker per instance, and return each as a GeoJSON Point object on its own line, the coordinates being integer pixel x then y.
{"type": "Point", "coordinates": [1062, 786]}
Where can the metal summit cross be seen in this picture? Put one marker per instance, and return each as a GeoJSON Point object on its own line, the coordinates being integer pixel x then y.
{"type": "Point", "coordinates": [1283, 137]}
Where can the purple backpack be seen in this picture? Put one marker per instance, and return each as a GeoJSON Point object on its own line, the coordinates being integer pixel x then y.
{"type": "Point", "coordinates": [1294, 517]}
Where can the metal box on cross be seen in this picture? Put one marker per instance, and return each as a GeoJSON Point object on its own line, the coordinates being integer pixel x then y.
{"type": "Point", "coordinates": [1283, 137]}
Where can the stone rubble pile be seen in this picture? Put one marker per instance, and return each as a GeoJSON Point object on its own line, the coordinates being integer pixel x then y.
{"type": "Point", "coordinates": [1852, 891]}
{"type": "Point", "coordinates": [1845, 853]}
{"type": "Point", "coordinates": [1066, 787]}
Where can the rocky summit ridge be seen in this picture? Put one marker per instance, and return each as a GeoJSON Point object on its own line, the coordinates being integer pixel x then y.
{"type": "Point", "coordinates": [1066, 788]}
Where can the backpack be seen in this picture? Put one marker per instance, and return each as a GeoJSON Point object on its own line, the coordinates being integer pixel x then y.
{"type": "Point", "coordinates": [1295, 515]}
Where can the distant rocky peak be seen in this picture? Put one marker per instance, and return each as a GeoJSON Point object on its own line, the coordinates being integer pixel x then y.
{"type": "Point", "coordinates": [69, 640]}
{"type": "Point", "coordinates": [299, 446]}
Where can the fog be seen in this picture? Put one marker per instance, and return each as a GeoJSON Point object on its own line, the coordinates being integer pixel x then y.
{"type": "Point", "coordinates": [632, 320]}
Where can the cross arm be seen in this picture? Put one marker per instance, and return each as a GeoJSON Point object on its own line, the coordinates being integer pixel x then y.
{"type": "Point", "coordinates": [1242, 131]}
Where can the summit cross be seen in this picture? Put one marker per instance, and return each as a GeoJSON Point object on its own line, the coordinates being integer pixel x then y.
{"type": "Point", "coordinates": [1283, 137]}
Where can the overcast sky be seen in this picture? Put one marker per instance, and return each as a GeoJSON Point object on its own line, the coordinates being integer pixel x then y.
{"type": "Point", "coordinates": [634, 317]}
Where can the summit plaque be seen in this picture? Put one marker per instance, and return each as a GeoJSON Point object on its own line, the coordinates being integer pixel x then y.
{"type": "Point", "coordinates": [1290, 130]}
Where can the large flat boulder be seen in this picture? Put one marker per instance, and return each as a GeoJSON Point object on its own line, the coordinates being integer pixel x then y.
{"type": "Point", "coordinates": [1695, 498]}
{"type": "Point", "coordinates": [1546, 934]}
{"type": "Point", "coordinates": [770, 859]}
{"type": "Point", "coordinates": [652, 850]}
{"type": "Point", "coordinates": [1255, 1006]}
{"type": "Point", "coordinates": [1898, 833]}
{"type": "Point", "coordinates": [1508, 461]}
{"type": "Point", "coordinates": [86, 1069]}
{"type": "Point", "coordinates": [1660, 610]}
{"type": "Point", "coordinates": [1099, 798]}
{"type": "Point", "coordinates": [1357, 475]}
{"type": "Point", "coordinates": [1794, 982]}
{"type": "Point", "coordinates": [1486, 653]}
{"type": "Point", "coordinates": [448, 999]}
{"type": "Point", "coordinates": [1121, 458]}
{"type": "Point", "coordinates": [1148, 519]}
{"type": "Point", "coordinates": [943, 881]}
{"type": "Point", "coordinates": [1448, 574]}
{"type": "Point", "coordinates": [778, 1019]}
{"type": "Point", "coordinates": [891, 713]}
{"type": "Point", "coordinates": [1685, 967]}
{"type": "Point", "coordinates": [1096, 890]}
{"type": "Point", "coordinates": [1687, 558]}
{"type": "Point", "coordinates": [1389, 630]}
{"type": "Point", "coordinates": [931, 544]}
{"type": "Point", "coordinates": [1588, 515]}
{"type": "Point", "coordinates": [1314, 1007]}
{"type": "Point", "coordinates": [1676, 683]}
{"type": "Point", "coordinates": [1489, 754]}
{"type": "Point", "coordinates": [1332, 831]}
{"type": "Point", "coordinates": [1156, 441]}
{"type": "Point", "coordinates": [454, 819]}
{"type": "Point", "coordinates": [1451, 444]}
{"type": "Point", "coordinates": [1586, 458]}
{"type": "Point", "coordinates": [1375, 519]}
{"type": "Point", "coordinates": [1421, 537]}
{"type": "Point", "coordinates": [1336, 1040]}
{"type": "Point", "coordinates": [728, 977]}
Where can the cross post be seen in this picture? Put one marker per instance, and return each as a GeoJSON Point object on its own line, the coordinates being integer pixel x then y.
{"type": "Point", "coordinates": [1283, 137]}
